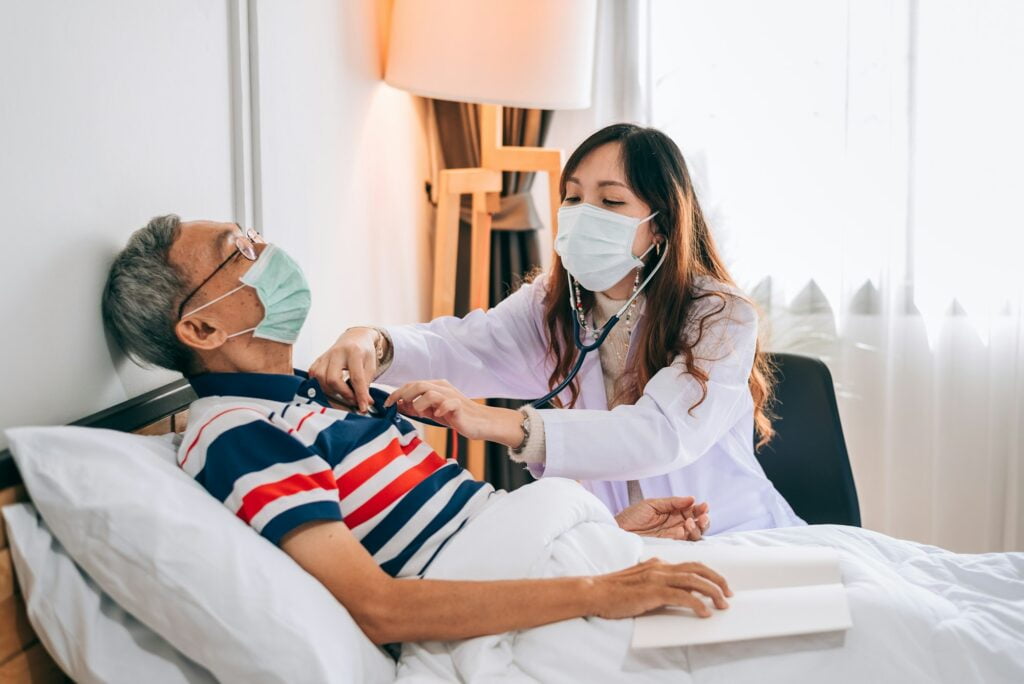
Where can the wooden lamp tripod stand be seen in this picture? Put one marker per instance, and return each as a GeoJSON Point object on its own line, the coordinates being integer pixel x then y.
{"type": "Point", "coordinates": [484, 185]}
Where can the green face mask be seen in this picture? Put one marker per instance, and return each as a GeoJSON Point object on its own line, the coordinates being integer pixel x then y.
{"type": "Point", "coordinates": [283, 292]}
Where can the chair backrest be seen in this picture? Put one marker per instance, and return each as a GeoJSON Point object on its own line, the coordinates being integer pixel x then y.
{"type": "Point", "coordinates": [807, 459]}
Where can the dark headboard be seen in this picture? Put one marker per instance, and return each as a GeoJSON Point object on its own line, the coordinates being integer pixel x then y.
{"type": "Point", "coordinates": [133, 415]}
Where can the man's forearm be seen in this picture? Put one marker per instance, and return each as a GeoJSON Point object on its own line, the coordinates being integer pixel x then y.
{"type": "Point", "coordinates": [390, 610]}
{"type": "Point", "coordinates": [416, 610]}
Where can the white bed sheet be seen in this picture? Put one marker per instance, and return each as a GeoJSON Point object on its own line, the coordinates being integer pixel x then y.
{"type": "Point", "coordinates": [920, 613]}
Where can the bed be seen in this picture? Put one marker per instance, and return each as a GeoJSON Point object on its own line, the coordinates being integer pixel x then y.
{"type": "Point", "coordinates": [919, 613]}
{"type": "Point", "coordinates": [23, 658]}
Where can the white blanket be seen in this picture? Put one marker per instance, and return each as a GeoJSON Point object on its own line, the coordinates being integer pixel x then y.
{"type": "Point", "coordinates": [920, 613]}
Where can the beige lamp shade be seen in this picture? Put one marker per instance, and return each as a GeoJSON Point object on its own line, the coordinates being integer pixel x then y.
{"type": "Point", "coordinates": [518, 53]}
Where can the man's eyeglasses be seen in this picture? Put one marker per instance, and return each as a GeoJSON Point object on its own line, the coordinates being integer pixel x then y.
{"type": "Point", "coordinates": [245, 245]}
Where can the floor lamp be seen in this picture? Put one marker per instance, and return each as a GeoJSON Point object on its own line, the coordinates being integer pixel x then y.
{"type": "Point", "coordinates": [518, 53]}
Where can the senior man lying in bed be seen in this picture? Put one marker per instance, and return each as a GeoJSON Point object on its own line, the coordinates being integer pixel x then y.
{"type": "Point", "coordinates": [359, 501]}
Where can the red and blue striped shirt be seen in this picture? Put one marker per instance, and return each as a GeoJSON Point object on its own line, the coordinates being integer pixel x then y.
{"type": "Point", "coordinates": [275, 452]}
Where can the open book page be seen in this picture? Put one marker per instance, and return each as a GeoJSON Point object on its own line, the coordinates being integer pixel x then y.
{"type": "Point", "coordinates": [777, 592]}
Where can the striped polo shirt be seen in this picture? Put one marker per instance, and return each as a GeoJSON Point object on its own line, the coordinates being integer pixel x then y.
{"type": "Point", "coordinates": [278, 455]}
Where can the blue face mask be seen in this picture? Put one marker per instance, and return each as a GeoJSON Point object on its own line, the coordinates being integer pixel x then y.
{"type": "Point", "coordinates": [283, 292]}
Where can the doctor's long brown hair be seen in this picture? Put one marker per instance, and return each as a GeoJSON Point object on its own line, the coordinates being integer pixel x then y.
{"type": "Point", "coordinates": [657, 173]}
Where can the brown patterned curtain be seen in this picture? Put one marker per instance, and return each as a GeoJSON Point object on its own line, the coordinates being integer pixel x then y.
{"type": "Point", "coordinates": [515, 247]}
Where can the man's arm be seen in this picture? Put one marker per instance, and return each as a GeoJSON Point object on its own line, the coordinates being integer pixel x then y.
{"type": "Point", "coordinates": [393, 610]}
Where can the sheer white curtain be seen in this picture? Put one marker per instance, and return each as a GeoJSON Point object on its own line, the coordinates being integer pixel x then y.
{"type": "Point", "coordinates": [861, 164]}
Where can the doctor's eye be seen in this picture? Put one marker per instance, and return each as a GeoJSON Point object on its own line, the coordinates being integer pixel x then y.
{"type": "Point", "coordinates": [572, 198]}
{"type": "Point", "coordinates": [613, 203]}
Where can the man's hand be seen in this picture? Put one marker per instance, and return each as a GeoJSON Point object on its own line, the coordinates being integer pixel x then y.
{"type": "Point", "coordinates": [653, 584]}
{"type": "Point", "coordinates": [674, 517]}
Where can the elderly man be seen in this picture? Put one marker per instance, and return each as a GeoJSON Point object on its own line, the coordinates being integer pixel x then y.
{"type": "Point", "coordinates": [358, 500]}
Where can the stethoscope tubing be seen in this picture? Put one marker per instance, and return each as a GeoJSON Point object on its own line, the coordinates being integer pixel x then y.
{"type": "Point", "coordinates": [584, 349]}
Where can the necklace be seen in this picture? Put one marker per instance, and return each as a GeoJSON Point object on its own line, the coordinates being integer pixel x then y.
{"type": "Point", "coordinates": [623, 349]}
{"type": "Point", "coordinates": [627, 322]}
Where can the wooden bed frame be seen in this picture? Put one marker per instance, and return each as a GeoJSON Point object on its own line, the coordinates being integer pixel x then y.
{"type": "Point", "coordinates": [23, 657]}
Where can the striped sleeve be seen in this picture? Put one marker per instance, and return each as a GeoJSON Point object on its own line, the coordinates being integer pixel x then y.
{"type": "Point", "coordinates": [264, 475]}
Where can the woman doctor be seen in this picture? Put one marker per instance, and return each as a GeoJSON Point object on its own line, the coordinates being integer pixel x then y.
{"type": "Point", "coordinates": [668, 405]}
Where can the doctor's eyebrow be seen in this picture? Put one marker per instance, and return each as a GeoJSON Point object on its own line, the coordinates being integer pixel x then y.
{"type": "Point", "coordinates": [600, 184]}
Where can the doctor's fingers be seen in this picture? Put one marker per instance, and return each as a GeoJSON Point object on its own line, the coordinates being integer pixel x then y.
{"type": "Point", "coordinates": [361, 365]}
{"type": "Point", "coordinates": [448, 408]}
{"type": "Point", "coordinates": [430, 400]}
{"type": "Point", "coordinates": [410, 390]}
{"type": "Point", "coordinates": [329, 371]}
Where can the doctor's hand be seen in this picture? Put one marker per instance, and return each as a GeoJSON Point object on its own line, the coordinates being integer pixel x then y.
{"type": "Point", "coordinates": [438, 401]}
{"type": "Point", "coordinates": [674, 517]}
{"type": "Point", "coordinates": [353, 357]}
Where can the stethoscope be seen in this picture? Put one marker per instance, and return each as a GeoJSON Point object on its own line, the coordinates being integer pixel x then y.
{"type": "Point", "coordinates": [600, 336]}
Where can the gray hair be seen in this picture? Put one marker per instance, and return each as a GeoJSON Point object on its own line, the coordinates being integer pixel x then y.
{"type": "Point", "coordinates": [141, 291]}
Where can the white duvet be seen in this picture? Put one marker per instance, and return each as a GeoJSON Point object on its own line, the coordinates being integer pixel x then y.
{"type": "Point", "coordinates": [920, 613]}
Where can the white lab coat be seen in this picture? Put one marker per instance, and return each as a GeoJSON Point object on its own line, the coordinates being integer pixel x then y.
{"type": "Point", "coordinates": [504, 353]}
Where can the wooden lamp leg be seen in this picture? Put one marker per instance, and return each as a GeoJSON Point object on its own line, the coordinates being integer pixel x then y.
{"type": "Point", "coordinates": [453, 183]}
{"type": "Point", "coordinates": [484, 184]}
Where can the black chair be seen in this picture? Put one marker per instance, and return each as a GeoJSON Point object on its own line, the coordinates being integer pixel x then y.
{"type": "Point", "coordinates": [807, 459]}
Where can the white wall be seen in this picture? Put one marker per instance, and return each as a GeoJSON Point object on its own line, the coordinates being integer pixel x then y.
{"type": "Point", "coordinates": [343, 160]}
{"type": "Point", "coordinates": [112, 112]}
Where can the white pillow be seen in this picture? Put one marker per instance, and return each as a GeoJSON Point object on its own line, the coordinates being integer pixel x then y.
{"type": "Point", "coordinates": [169, 553]}
{"type": "Point", "coordinates": [92, 638]}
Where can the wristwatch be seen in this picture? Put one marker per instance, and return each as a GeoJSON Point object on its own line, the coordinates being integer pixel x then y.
{"type": "Point", "coordinates": [526, 433]}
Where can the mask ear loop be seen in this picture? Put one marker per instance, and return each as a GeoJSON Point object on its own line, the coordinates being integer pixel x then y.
{"type": "Point", "coordinates": [211, 302]}
{"type": "Point", "coordinates": [240, 332]}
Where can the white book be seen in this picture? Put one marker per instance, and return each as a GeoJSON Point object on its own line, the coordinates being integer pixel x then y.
{"type": "Point", "coordinates": [777, 591]}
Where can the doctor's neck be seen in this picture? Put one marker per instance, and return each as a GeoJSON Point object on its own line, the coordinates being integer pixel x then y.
{"type": "Point", "coordinates": [622, 289]}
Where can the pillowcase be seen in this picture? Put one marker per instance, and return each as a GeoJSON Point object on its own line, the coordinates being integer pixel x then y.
{"type": "Point", "coordinates": [92, 638]}
{"type": "Point", "coordinates": [179, 561]}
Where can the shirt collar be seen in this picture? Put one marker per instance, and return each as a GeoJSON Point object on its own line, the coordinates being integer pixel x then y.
{"type": "Point", "coordinates": [278, 387]}
{"type": "Point", "coordinates": [272, 386]}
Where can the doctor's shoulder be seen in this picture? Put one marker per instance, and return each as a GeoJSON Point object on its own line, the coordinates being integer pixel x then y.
{"type": "Point", "coordinates": [532, 286]}
{"type": "Point", "coordinates": [720, 309]}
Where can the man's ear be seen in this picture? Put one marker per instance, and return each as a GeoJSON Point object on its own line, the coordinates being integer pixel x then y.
{"type": "Point", "coordinates": [198, 333]}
